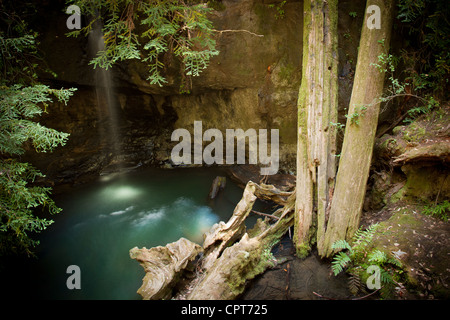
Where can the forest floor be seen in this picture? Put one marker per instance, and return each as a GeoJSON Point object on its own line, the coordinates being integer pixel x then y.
{"type": "Point", "coordinates": [297, 279]}
{"type": "Point", "coordinates": [422, 241]}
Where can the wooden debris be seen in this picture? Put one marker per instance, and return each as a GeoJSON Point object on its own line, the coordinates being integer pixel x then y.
{"type": "Point", "coordinates": [438, 151]}
{"type": "Point", "coordinates": [218, 184]}
{"type": "Point", "coordinates": [163, 266]}
{"type": "Point", "coordinates": [231, 255]}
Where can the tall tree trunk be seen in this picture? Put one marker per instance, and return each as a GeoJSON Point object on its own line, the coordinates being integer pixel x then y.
{"type": "Point", "coordinates": [356, 155]}
{"type": "Point", "coordinates": [317, 107]}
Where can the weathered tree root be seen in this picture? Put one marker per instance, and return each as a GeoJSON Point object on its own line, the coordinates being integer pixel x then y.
{"type": "Point", "coordinates": [163, 267]}
{"type": "Point", "coordinates": [231, 255]}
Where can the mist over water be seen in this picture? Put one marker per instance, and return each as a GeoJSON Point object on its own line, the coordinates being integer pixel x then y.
{"type": "Point", "coordinates": [102, 221]}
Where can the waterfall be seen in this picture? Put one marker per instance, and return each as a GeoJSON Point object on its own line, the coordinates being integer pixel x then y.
{"type": "Point", "coordinates": [107, 104]}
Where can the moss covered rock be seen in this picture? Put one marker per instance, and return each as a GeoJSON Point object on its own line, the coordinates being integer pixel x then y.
{"type": "Point", "coordinates": [422, 244]}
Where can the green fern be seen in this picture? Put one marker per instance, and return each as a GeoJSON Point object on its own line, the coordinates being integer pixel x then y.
{"type": "Point", "coordinates": [385, 276]}
{"type": "Point", "coordinates": [356, 258]}
{"type": "Point", "coordinates": [440, 211]}
{"type": "Point", "coordinates": [362, 238]}
{"type": "Point", "coordinates": [340, 245]}
{"type": "Point", "coordinates": [378, 257]}
{"type": "Point", "coordinates": [394, 262]}
{"type": "Point", "coordinates": [340, 262]}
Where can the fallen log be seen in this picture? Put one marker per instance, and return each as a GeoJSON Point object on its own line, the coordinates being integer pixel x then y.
{"type": "Point", "coordinates": [271, 193]}
{"type": "Point", "coordinates": [242, 174]}
{"type": "Point", "coordinates": [231, 254]}
{"type": "Point", "coordinates": [437, 151]}
{"type": "Point", "coordinates": [226, 277]}
{"type": "Point", "coordinates": [221, 235]}
{"type": "Point", "coordinates": [163, 267]}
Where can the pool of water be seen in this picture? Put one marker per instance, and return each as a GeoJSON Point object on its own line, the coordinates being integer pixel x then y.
{"type": "Point", "coordinates": [103, 220]}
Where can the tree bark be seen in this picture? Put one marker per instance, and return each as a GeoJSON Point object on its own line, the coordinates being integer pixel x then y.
{"type": "Point", "coordinates": [356, 155]}
{"type": "Point", "coordinates": [317, 107]}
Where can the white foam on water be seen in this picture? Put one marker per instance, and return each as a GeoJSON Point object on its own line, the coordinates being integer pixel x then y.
{"type": "Point", "coordinates": [201, 220]}
{"type": "Point", "coordinates": [116, 213]}
{"type": "Point", "coordinates": [147, 217]}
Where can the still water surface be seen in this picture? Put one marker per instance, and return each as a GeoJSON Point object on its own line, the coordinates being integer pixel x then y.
{"type": "Point", "coordinates": [102, 221]}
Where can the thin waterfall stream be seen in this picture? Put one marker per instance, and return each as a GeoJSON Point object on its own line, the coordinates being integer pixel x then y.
{"type": "Point", "coordinates": [107, 104]}
{"type": "Point", "coordinates": [120, 209]}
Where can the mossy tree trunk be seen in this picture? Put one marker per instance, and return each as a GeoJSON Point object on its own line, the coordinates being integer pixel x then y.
{"type": "Point", "coordinates": [317, 108]}
{"type": "Point", "coordinates": [356, 155]}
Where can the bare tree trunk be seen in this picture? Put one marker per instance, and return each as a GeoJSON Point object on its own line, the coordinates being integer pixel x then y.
{"type": "Point", "coordinates": [361, 126]}
{"type": "Point", "coordinates": [317, 107]}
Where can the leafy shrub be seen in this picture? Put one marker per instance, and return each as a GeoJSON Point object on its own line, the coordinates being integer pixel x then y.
{"type": "Point", "coordinates": [22, 99]}
{"type": "Point", "coordinates": [428, 27]}
{"type": "Point", "coordinates": [173, 27]}
{"type": "Point", "coordinates": [440, 211]}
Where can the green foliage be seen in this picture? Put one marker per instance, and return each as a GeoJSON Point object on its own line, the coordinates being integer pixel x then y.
{"type": "Point", "coordinates": [429, 103]}
{"type": "Point", "coordinates": [340, 261]}
{"type": "Point", "coordinates": [440, 211]}
{"type": "Point", "coordinates": [22, 99]}
{"type": "Point", "coordinates": [340, 127]}
{"type": "Point", "coordinates": [18, 201]}
{"type": "Point", "coordinates": [395, 88]}
{"type": "Point", "coordinates": [20, 60]}
{"type": "Point", "coordinates": [356, 258]}
{"type": "Point", "coordinates": [355, 116]}
{"type": "Point", "coordinates": [388, 63]}
{"type": "Point", "coordinates": [425, 63]}
{"type": "Point", "coordinates": [428, 27]}
{"type": "Point", "coordinates": [279, 8]}
{"type": "Point", "coordinates": [167, 28]}
{"type": "Point", "coordinates": [19, 105]}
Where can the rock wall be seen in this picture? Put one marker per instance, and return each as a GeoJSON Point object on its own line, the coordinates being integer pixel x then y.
{"type": "Point", "coordinates": [252, 83]}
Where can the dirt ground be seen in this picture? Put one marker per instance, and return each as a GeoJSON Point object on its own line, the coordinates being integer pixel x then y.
{"type": "Point", "coordinates": [423, 242]}
{"type": "Point", "coordinates": [424, 246]}
{"type": "Point", "coordinates": [297, 279]}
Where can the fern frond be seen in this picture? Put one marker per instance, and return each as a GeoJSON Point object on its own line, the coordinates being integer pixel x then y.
{"type": "Point", "coordinates": [395, 262]}
{"type": "Point", "coordinates": [378, 256]}
{"type": "Point", "coordinates": [362, 238]}
{"type": "Point", "coordinates": [340, 245]}
{"type": "Point", "coordinates": [385, 276]}
{"type": "Point", "coordinates": [340, 261]}
{"type": "Point", "coordinates": [354, 283]}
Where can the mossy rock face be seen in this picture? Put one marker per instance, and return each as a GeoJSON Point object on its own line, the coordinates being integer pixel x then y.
{"type": "Point", "coordinates": [426, 182]}
{"type": "Point", "coordinates": [418, 153]}
{"type": "Point", "coordinates": [422, 244]}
